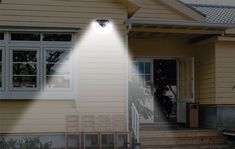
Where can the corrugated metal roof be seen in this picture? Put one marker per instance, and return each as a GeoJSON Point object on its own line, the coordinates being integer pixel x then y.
{"type": "Point", "coordinates": [216, 14]}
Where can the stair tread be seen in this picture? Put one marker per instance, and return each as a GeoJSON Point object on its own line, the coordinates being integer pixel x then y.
{"type": "Point", "coordinates": [181, 137]}
{"type": "Point", "coordinates": [191, 146]}
{"type": "Point", "coordinates": [198, 138]}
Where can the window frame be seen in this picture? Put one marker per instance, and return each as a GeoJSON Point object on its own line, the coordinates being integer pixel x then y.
{"type": "Point", "coordinates": [20, 48]}
{"type": "Point", "coordinates": [8, 92]}
{"type": "Point", "coordinates": [44, 75]}
{"type": "Point", "coordinates": [137, 74]}
{"type": "Point", "coordinates": [20, 41]}
{"type": "Point", "coordinates": [57, 42]}
{"type": "Point", "coordinates": [2, 88]}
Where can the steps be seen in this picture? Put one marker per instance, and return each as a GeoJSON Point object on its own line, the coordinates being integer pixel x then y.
{"type": "Point", "coordinates": [182, 139]}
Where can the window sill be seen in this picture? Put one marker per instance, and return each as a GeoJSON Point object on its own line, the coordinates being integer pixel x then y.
{"type": "Point", "coordinates": [38, 96]}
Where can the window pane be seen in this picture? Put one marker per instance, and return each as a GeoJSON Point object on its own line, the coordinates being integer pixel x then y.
{"type": "Point", "coordinates": [73, 141]}
{"type": "Point", "coordinates": [24, 81]}
{"type": "Point", "coordinates": [24, 56]}
{"type": "Point", "coordinates": [0, 81]}
{"type": "Point", "coordinates": [91, 141]}
{"type": "Point", "coordinates": [58, 69]}
{"type": "Point", "coordinates": [147, 79]}
{"type": "Point", "coordinates": [57, 37]}
{"type": "Point", "coordinates": [57, 56]}
{"type": "Point", "coordinates": [107, 141]}
{"type": "Point", "coordinates": [141, 67]}
{"type": "Point", "coordinates": [122, 141]}
{"type": "Point", "coordinates": [25, 69]}
{"type": "Point", "coordinates": [141, 79]}
{"type": "Point", "coordinates": [147, 68]}
{"type": "Point", "coordinates": [58, 81]}
{"type": "Point", "coordinates": [0, 70]}
{"type": "Point", "coordinates": [1, 36]}
{"type": "Point", "coordinates": [25, 36]}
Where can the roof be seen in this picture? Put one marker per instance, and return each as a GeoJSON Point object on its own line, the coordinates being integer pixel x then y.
{"type": "Point", "coordinates": [216, 14]}
{"type": "Point", "coordinates": [185, 9]}
{"type": "Point", "coordinates": [132, 6]}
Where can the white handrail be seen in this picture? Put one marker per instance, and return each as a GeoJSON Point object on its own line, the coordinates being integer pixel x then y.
{"type": "Point", "coordinates": [135, 123]}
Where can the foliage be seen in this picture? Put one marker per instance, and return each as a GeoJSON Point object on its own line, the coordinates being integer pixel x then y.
{"type": "Point", "coordinates": [162, 87]}
{"type": "Point", "coordinates": [24, 143]}
{"type": "Point", "coordinates": [139, 95]}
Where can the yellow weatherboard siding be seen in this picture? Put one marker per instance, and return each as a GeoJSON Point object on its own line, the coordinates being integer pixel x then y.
{"type": "Point", "coordinates": [205, 73]}
{"type": "Point", "coordinates": [225, 72]}
{"type": "Point", "coordinates": [61, 13]}
{"type": "Point", "coordinates": [159, 47]}
{"type": "Point", "coordinates": [33, 116]}
{"type": "Point", "coordinates": [101, 104]}
{"type": "Point", "coordinates": [153, 9]}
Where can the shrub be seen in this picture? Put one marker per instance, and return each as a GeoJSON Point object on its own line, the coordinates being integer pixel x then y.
{"type": "Point", "coordinates": [24, 143]}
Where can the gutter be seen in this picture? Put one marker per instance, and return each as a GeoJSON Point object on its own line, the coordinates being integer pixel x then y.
{"type": "Point", "coordinates": [178, 23]}
{"type": "Point", "coordinates": [38, 29]}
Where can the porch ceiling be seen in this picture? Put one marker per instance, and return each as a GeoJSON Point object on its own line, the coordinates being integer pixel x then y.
{"type": "Point", "coordinates": [158, 35]}
{"type": "Point", "coordinates": [175, 29]}
{"type": "Point", "coordinates": [156, 31]}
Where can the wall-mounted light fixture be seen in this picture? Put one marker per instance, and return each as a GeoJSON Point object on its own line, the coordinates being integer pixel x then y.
{"type": "Point", "coordinates": [102, 22]}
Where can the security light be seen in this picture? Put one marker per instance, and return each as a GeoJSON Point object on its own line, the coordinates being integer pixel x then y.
{"type": "Point", "coordinates": [102, 22]}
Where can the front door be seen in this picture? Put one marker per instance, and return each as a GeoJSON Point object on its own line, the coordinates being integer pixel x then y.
{"type": "Point", "coordinates": [165, 96]}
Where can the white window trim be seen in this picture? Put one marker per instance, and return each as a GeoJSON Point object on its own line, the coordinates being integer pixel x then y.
{"type": "Point", "coordinates": [11, 68]}
{"type": "Point", "coordinates": [26, 93]}
{"type": "Point", "coordinates": [2, 88]}
{"type": "Point", "coordinates": [44, 70]}
{"type": "Point", "coordinates": [144, 60]}
{"type": "Point", "coordinates": [41, 39]}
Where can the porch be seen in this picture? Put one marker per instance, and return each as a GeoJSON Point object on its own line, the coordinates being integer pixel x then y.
{"type": "Point", "coordinates": [173, 65]}
{"type": "Point", "coordinates": [169, 62]}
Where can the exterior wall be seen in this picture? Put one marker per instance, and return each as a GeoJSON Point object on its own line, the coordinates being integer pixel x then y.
{"type": "Point", "coordinates": [205, 80]}
{"type": "Point", "coordinates": [60, 13]}
{"type": "Point", "coordinates": [153, 9]}
{"type": "Point", "coordinates": [160, 47]}
{"type": "Point", "coordinates": [34, 116]}
{"type": "Point", "coordinates": [215, 65]}
{"type": "Point", "coordinates": [219, 116]}
{"type": "Point", "coordinates": [101, 103]}
{"type": "Point", "coordinates": [225, 72]}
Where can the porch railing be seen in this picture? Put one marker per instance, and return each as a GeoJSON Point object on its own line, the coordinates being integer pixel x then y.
{"type": "Point", "coordinates": [135, 125]}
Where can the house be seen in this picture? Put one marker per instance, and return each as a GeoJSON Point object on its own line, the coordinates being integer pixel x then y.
{"type": "Point", "coordinates": [59, 80]}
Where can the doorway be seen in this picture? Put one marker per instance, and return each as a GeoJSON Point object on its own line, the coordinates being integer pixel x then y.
{"type": "Point", "coordinates": [165, 90]}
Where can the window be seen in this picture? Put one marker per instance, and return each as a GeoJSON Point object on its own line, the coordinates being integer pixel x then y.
{"type": "Point", "coordinates": [57, 37]}
{"type": "Point", "coordinates": [142, 72]}
{"type": "Point", "coordinates": [25, 36]}
{"type": "Point", "coordinates": [1, 36]}
{"type": "Point", "coordinates": [58, 68]}
{"type": "Point", "coordinates": [91, 141]}
{"type": "Point", "coordinates": [107, 141]}
{"type": "Point", "coordinates": [24, 68]}
{"type": "Point", "coordinates": [122, 141]}
{"type": "Point", "coordinates": [35, 63]}
{"type": "Point", "coordinates": [73, 141]}
{"type": "Point", "coordinates": [1, 67]}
